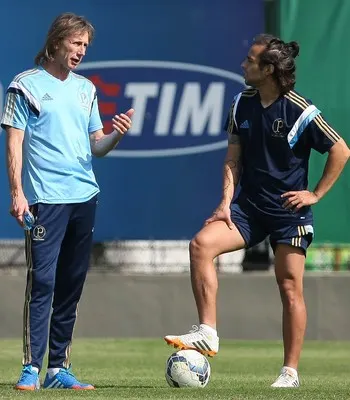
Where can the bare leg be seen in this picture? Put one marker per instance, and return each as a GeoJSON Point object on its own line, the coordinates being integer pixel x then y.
{"type": "Point", "coordinates": [213, 240]}
{"type": "Point", "coordinates": [289, 269]}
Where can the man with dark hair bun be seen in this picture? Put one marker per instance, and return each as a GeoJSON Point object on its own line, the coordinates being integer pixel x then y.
{"type": "Point", "coordinates": [271, 132]}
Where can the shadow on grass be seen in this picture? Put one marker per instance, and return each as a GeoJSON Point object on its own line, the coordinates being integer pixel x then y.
{"type": "Point", "coordinates": [7, 385]}
{"type": "Point", "coordinates": [116, 386]}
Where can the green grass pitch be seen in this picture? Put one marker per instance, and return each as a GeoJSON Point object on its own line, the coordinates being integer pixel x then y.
{"type": "Point", "coordinates": [134, 369]}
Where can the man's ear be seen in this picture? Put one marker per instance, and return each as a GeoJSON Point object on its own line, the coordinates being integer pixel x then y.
{"type": "Point", "coordinates": [269, 69]}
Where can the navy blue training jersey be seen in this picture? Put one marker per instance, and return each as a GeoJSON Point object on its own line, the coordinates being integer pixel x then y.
{"type": "Point", "coordinates": [276, 144]}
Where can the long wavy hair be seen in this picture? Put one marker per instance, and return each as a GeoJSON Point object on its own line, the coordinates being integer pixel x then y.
{"type": "Point", "coordinates": [62, 27]}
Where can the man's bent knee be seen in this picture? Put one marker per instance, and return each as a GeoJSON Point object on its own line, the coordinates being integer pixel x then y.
{"type": "Point", "coordinates": [200, 246]}
{"type": "Point", "coordinates": [215, 239]}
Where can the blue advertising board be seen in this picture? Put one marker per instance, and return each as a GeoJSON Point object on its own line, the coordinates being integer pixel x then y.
{"type": "Point", "coordinates": [178, 64]}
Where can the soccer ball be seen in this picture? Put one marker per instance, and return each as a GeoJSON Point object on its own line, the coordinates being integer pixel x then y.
{"type": "Point", "coordinates": [187, 368]}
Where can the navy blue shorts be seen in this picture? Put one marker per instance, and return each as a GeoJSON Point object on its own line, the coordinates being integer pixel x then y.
{"type": "Point", "coordinates": [255, 226]}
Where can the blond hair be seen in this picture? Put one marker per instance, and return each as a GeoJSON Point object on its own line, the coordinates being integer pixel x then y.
{"type": "Point", "coordinates": [62, 27]}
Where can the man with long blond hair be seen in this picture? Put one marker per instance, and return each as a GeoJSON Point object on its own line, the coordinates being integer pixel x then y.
{"type": "Point", "coordinates": [53, 128]}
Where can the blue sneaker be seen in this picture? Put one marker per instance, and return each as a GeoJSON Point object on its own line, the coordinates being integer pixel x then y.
{"type": "Point", "coordinates": [29, 379]}
{"type": "Point", "coordinates": [64, 379]}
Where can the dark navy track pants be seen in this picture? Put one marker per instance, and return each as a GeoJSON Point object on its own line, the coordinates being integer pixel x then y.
{"type": "Point", "coordinates": [57, 252]}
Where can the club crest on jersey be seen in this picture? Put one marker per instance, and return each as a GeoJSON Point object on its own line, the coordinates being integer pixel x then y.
{"type": "Point", "coordinates": [278, 128]}
{"type": "Point", "coordinates": [84, 100]}
{"type": "Point", "coordinates": [39, 232]}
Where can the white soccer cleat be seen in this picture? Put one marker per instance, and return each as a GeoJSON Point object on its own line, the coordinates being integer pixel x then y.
{"type": "Point", "coordinates": [287, 379]}
{"type": "Point", "coordinates": [197, 339]}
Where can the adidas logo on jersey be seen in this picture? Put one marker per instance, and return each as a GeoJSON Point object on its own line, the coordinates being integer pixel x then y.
{"type": "Point", "coordinates": [244, 125]}
{"type": "Point", "coordinates": [46, 97]}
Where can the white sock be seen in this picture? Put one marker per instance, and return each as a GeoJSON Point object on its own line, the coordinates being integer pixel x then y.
{"type": "Point", "coordinates": [53, 371]}
{"type": "Point", "coordinates": [209, 329]}
{"type": "Point", "coordinates": [35, 369]}
{"type": "Point", "coordinates": [291, 370]}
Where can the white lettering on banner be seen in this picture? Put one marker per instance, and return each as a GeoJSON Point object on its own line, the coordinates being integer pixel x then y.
{"type": "Point", "coordinates": [192, 111]}
{"type": "Point", "coordinates": [185, 109]}
{"type": "Point", "coordinates": [140, 93]}
{"type": "Point", "coordinates": [166, 105]}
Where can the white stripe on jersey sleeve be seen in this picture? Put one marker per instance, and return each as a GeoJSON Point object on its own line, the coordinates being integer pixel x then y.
{"type": "Point", "coordinates": [301, 123]}
{"type": "Point", "coordinates": [235, 109]}
{"type": "Point", "coordinates": [31, 99]}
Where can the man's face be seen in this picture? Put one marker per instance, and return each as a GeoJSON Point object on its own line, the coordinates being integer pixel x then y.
{"type": "Point", "coordinates": [253, 75]}
{"type": "Point", "coordinates": [72, 50]}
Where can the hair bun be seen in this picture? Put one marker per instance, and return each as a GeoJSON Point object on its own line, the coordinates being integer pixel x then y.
{"type": "Point", "coordinates": [293, 48]}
